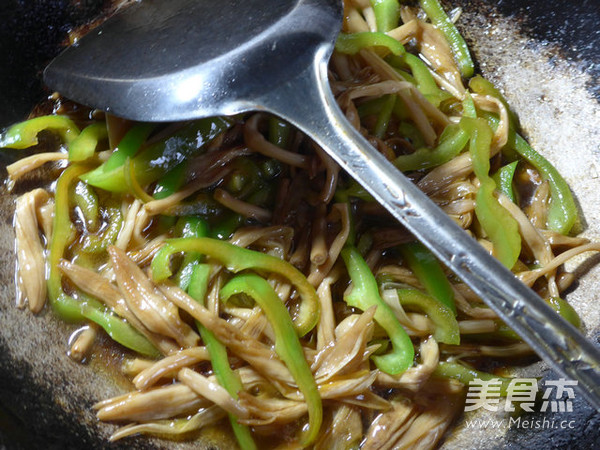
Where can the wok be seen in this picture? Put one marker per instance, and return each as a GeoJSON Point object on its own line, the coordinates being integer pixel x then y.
{"type": "Point", "coordinates": [544, 55]}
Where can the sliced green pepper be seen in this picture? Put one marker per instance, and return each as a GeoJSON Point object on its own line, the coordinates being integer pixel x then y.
{"type": "Point", "coordinates": [466, 375]}
{"type": "Point", "coordinates": [133, 186]}
{"type": "Point", "coordinates": [452, 141]}
{"type": "Point", "coordinates": [365, 294]}
{"type": "Point", "coordinates": [87, 201]}
{"type": "Point", "coordinates": [371, 107]}
{"type": "Point", "coordinates": [236, 259]}
{"type": "Point", "coordinates": [118, 329]}
{"type": "Point", "coordinates": [355, 42]}
{"type": "Point", "coordinates": [170, 182]}
{"type": "Point", "coordinates": [167, 185]}
{"type": "Point", "coordinates": [62, 230]}
{"type": "Point", "coordinates": [280, 132]}
{"type": "Point", "coordinates": [188, 227]}
{"type": "Point", "coordinates": [565, 310]}
{"type": "Point", "coordinates": [446, 326]}
{"type": "Point", "coordinates": [429, 272]}
{"type": "Point", "coordinates": [65, 306]}
{"type": "Point", "coordinates": [354, 190]}
{"type": "Point", "coordinates": [24, 134]}
{"type": "Point", "coordinates": [559, 305]}
{"type": "Point", "coordinates": [287, 345]}
{"type": "Point", "coordinates": [401, 110]}
{"type": "Point", "coordinates": [245, 178]}
{"type": "Point", "coordinates": [226, 377]}
{"type": "Point", "coordinates": [501, 228]}
{"type": "Point", "coordinates": [385, 114]}
{"type": "Point", "coordinates": [127, 148]}
{"type": "Point", "coordinates": [387, 14]}
{"type": "Point", "coordinates": [84, 145]}
{"type": "Point", "coordinates": [421, 76]}
{"type": "Point", "coordinates": [562, 211]}
{"type": "Point", "coordinates": [469, 109]}
{"type": "Point", "coordinates": [459, 47]}
{"type": "Point", "coordinates": [482, 86]}
{"type": "Point", "coordinates": [412, 134]}
{"type": "Point", "coordinates": [270, 168]}
{"type": "Point", "coordinates": [504, 180]}
{"type": "Point", "coordinates": [97, 243]}
{"type": "Point", "coordinates": [225, 228]}
{"type": "Point", "coordinates": [156, 160]}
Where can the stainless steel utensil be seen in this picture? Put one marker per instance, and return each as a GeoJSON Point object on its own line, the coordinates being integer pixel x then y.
{"type": "Point", "coordinates": [184, 59]}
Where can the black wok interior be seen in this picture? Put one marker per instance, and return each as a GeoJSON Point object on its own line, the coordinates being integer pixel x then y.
{"type": "Point", "coordinates": [33, 31]}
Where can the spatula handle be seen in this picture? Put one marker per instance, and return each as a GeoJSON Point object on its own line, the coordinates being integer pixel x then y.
{"type": "Point", "coordinates": [308, 103]}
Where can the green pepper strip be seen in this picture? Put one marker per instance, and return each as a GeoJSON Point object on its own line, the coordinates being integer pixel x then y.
{"type": "Point", "coordinates": [189, 227]}
{"type": "Point", "coordinates": [352, 43]}
{"type": "Point", "coordinates": [170, 182]}
{"type": "Point", "coordinates": [218, 355]}
{"type": "Point", "coordinates": [559, 305]}
{"type": "Point", "coordinates": [412, 133]}
{"type": "Point", "coordinates": [133, 184]}
{"type": "Point", "coordinates": [279, 132]}
{"type": "Point", "coordinates": [446, 326]}
{"type": "Point", "coordinates": [501, 228]}
{"type": "Point", "coordinates": [96, 243]}
{"type": "Point", "coordinates": [236, 259]}
{"type": "Point", "coordinates": [452, 141]}
{"type": "Point", "coordinates": [127, 148]}
{"type": "Point", "coordinates": [24, 134]}
{"type": "Point", "coordinates": [562, 211]}
{"type": "Point", "coordinates": [469, 109]}
{"type": "Point", "coordinates": [84, 145]}
{"type": "Point", "coordinates": [287, 345]}
{"type": "Point", "coordinates": [156, 160]}
{"type": "Point", "coordinates": [465, 375]}
{"type": "Point", "coordinates": [401, 111]}
{"type": "Point", "coordinates": [354, 190]}
{"type": "Point", "coordinates": [364, 244]}
{"type": "Point", "coordinates": [87, 201]}
{"type": "Point", "coordinates": [167, 185]}
{"type": "Point", "coordinates": [459, 47]}
{"type": "Point", "coordinates": [482, 86]}
{"type": "Point", "coordinates": [421, 77]}
{"type": "Point", "coordinates": [371, 107]}
{"type": "Point", "coordinates": [504, 179]}
{"type": "Point", "coordinates": [245, 179]}
{"type": "Point", "coordinates": [430, 273]}
{"type": "Point", "coordinates": [425, 82]}
{"type": "Point", "coordinates": [225, 228]}
{"type": "Point", "coordinates": [385, 114]}
{"type": "Point", "coordinates": [270, 168]}
{"type": "Point", "coordinates": [65, 306]}
{"type": "Point", "coordinates": [61, 233]}
{"type": "Point", "coordinates": [365, 294]}
{"type": "Point", "coordinates": [565, 310]}
{"type": "Point", "coordinates": [118, 329]}
{"type": "Point", "coordinates": [387, 14]}
{"type": "Point", "coordinates": [262, 197]}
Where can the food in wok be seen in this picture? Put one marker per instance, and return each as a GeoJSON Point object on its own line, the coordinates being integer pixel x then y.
{"type": "Point", "coordinates": [248, 281]}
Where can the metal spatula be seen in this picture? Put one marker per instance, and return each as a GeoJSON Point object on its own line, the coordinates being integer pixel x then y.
{"type": "Point", "coordinates": [162, 60]}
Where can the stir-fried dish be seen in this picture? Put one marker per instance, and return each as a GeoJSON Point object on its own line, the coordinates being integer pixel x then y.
{"type": "Point", "coordinates": [251, 283]}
